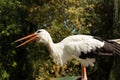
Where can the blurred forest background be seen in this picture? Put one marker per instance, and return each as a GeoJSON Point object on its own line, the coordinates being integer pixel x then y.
{"type": "Point", "coordinates": [60, 18]}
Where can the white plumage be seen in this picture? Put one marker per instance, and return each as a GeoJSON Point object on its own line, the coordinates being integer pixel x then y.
{"type": "Point", "coordinates": [71, 47]}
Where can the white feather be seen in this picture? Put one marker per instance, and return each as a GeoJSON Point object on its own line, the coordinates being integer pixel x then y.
{"type": "Point", "coordinates": [71, 47]}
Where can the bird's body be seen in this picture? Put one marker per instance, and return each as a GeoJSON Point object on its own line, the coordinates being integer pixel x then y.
{"type": "Point", "coordinates": [84, 48]}
{"type": "Point", "coordinates": [81, 47]}
{"type": "Point", "coordinates": [72, 47]}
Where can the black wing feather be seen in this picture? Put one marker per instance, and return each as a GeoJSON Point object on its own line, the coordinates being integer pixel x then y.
{"type": "Point", "coordinates": [110, 48]}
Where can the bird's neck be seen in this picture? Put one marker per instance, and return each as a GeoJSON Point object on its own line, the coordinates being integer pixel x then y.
{"type": "Point", "coordinates": [54, 48]}
{"type": "Point", "coordinates": [56, 51]}
{"type": "Point", "coordinates": [50, 45]}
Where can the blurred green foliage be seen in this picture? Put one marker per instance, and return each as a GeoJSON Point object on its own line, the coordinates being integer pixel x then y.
{"type": "Point", "coordinates": [60, 18]}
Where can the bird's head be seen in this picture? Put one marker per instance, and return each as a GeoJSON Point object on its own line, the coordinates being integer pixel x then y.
{"type": "Point", "coordinates": [40, 35]}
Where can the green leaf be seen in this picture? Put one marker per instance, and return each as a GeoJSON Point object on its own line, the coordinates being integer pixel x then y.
{"type": "Point", "coordinates": [68, 78]}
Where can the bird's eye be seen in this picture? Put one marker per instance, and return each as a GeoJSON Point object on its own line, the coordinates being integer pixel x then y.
{"type": "Point", "coordinates": [38, 31]}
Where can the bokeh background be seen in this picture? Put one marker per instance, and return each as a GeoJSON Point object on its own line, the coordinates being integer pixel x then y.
{"type": "Point", "coordinates": [60, 18]}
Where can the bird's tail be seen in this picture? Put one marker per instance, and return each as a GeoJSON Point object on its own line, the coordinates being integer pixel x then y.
{"type": "Point", "coordinates": [116, 40]}
{"type": "Point", "coordinates": [116, 47]}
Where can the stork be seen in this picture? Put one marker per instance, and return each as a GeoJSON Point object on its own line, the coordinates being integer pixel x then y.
{"type": "Point", "coordinates": [84, 48]}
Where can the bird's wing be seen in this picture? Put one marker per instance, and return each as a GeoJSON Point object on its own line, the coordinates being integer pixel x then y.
{"type": "Point", "coordinates": [81, 44]}
{"type": "Point", "coordinates": [80, 47]}
{"type": "Point", "coordinates": [85, 48]}
{"type": "Point", "coordinates": [116, 40]}
{"type": "Point", "coordinates": [76, 38]}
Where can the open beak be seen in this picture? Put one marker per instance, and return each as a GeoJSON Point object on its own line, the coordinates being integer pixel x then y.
{"type": "Point", "coordinates": [29, 37]}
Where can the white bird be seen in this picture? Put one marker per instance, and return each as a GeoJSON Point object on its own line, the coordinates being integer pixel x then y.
{"type": "Point", "coordinates": [84, 48]}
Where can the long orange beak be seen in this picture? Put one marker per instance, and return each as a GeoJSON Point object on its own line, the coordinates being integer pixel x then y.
{"type": "Point", "coordinates": [29, 37]}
